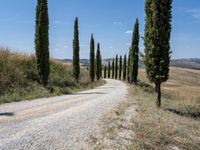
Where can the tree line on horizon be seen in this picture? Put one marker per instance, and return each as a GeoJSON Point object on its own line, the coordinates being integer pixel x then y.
{"type": "Point", "coordinates": [156, 40]}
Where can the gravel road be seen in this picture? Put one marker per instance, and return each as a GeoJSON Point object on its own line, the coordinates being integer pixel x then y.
{"type": "Point", "coordinates": [63, 122]}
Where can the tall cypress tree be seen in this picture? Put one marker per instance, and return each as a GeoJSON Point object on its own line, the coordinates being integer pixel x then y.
{"type": "Point", "coordinates": [105, 72]}
{"type": "Point", "coordinates": [135, 53]}
{"type": "Point", "coordinates": [92, 59]}
{"type": "Point", "coordinates": [42, 41]}
{"type": "Point", "coordinates": [120, 67]}
{"type": "Point", "coordinates": [157, 42]}
{"type": "Point", "coordinates": [116, 67]}
{"type": "Point", "coordinates": [109, 69]}
{"type": "Point", "coordinates": [76, 49]}
{"type": "Point", "coordinates": [113, 68]}
{"type": "Point", "coordinates": [124, 68]}
{"type": "Point", "coordinates": [101, 75]}
{"type": "Point", "coordinates": [98, 62]}
{"type": "Point", "coordinates": [129, 66]}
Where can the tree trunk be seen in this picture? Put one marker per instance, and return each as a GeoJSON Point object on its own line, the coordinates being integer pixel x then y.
{"type": "Point", "coordinates": [158, 95]}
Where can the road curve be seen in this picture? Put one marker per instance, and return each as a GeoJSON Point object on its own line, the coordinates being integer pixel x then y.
{"type": "Point", "coordinates": [62, 122]}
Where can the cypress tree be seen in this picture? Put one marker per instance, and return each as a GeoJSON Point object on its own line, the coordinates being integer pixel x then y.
{"type": "Point", "coordinates": [129, 66]}
{"type": "Point", "coordinates": [116, 67]}
{"type": "Point", "coordinates": [109, 69]}
{"type": "Point", "coordinates": [135, 53]}
{"type": "Point", "coordinates": [157, 42]}
{"type": "Point", "coordinates": [76, 49]}
{"type": "Point", "coordinates": [105, 72]}
{"type": "Point", "coordinates": [124, 68]}
{"type": "Point", "coordinates": [92, 59]}
{"type": "Point", "coordinates": [120, 67]}
{"type": "Point", "coordinates": [113, 68]}
{"type": "Point", "coordinates": [98, 63]}
{"type": "Point", "coordinates": [42, 41]}
{"type": "Point", "coordinates": [101, 68]}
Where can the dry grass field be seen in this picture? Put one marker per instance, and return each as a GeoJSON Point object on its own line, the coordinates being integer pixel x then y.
{"type": "Point", "coordinates": [181, 91]}
{"type": "Point", "coordinates": [176, 126]}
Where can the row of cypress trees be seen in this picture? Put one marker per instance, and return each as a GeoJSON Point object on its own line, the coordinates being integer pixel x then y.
{"type": "Point", "coordinates": [121, 69]}
{"type": "Point", "coordinates": [42, 47]}
{"type": "Point", "coordinates": [95, 69]}
{"type": "Point", "coordinates": [95, 63]}
{"type": "Point", "coordinates": [156, 40]}
{"type": "Point", "coordinates": [118, 70]}
{"type": "Point", "coordinates": [157, 48]}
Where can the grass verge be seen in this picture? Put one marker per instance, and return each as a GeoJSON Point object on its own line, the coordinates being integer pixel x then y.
{"type": "Point", "coordinates": [19, 79]}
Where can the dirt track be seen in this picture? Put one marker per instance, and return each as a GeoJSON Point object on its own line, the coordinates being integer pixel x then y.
{"type": "Point", "coordinates": [63, 122]}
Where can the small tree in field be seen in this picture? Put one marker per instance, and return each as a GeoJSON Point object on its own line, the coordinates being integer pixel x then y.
{"type": "Point", "coordinates": [76, 49]}
{"type": "Point", "coordinates": [105, 72]}
{"type": "Point", "coordinates": [92, 59]}
{"type": "Point", "coordinates": [124, 68]}
{"type": "Point", "coordinates": [157, 42]}
{"type": "Point", "coordinates": [98, 62]}
{"type": "Point", "coordinates": [42, 41]}
{"type": "Point", "coordinates": [116, 67]}
{"type": "Point", "coordinates": [109, 69]}
{"type": "Point", "coordinates": [113, 69]}
{"type": "Point", "coordinates": [120, 67]}
{"type": "Point", "coordinates": [135, 53]}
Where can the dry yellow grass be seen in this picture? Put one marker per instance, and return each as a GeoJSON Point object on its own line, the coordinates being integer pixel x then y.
{"type": "Point", "coordinates": [183, 88]}
{"type": "Point", "coordinates": [19, 79]}
{"type": "Point", "coordinates": [161, 129]}
{"type": "Point", "coordinates": [157, 129]}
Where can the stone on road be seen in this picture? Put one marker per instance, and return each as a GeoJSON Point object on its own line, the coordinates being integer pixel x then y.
{"type": "Point", "coordinates": [63, 122]}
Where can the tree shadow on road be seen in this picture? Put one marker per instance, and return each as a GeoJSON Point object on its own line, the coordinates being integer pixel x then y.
{"type": "Point", "coordinates": [7, 114]}
{"type": "Point", "coordinates": [89, 93]}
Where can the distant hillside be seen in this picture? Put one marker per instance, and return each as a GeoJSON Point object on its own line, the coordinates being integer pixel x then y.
{"type": "Point", "coordinates": [193, 63]}
{"type": "Point", "coordinates": [82, 61]}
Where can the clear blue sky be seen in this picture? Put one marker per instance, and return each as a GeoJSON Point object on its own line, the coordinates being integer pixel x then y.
{"type": "Point", "coordinates": [111, 21]}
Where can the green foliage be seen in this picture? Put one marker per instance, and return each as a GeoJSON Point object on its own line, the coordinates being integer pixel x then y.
{"type": "Point", "coordinates": [113, 68]}
{"type": "Point", "coordinates": [109, 69]}
{"type": "Point", "coordinates": [98, 62]}
{"type": "Point", "coordinates": [101, 65]}
{"type": "Point", "coordinates": [124, 68]}
{"type": "Point", "coordinates": [105, 71]}
{"type": "Point", "coordinates": [157, 39]}
{"type": "Point", "coordinates": [129, 66]}
{"type": "Point", "coordinates": [116, 67]}
{"type": "Point", "coordinates": [76, 49]}
{"type": "Point", "coordinates": [92, 59]}
{"type": "Point", "coordinates": [157, 42]}
{"type": "Point", "coordinates": [120, 67]}
{"type": "Point", "coordinates": [135, 53]}
{"type": "Point", "coordinates": [42, 41]}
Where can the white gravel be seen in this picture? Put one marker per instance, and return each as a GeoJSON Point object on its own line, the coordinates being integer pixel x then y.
{"type": "Point", "coordinates": [63, 122]}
